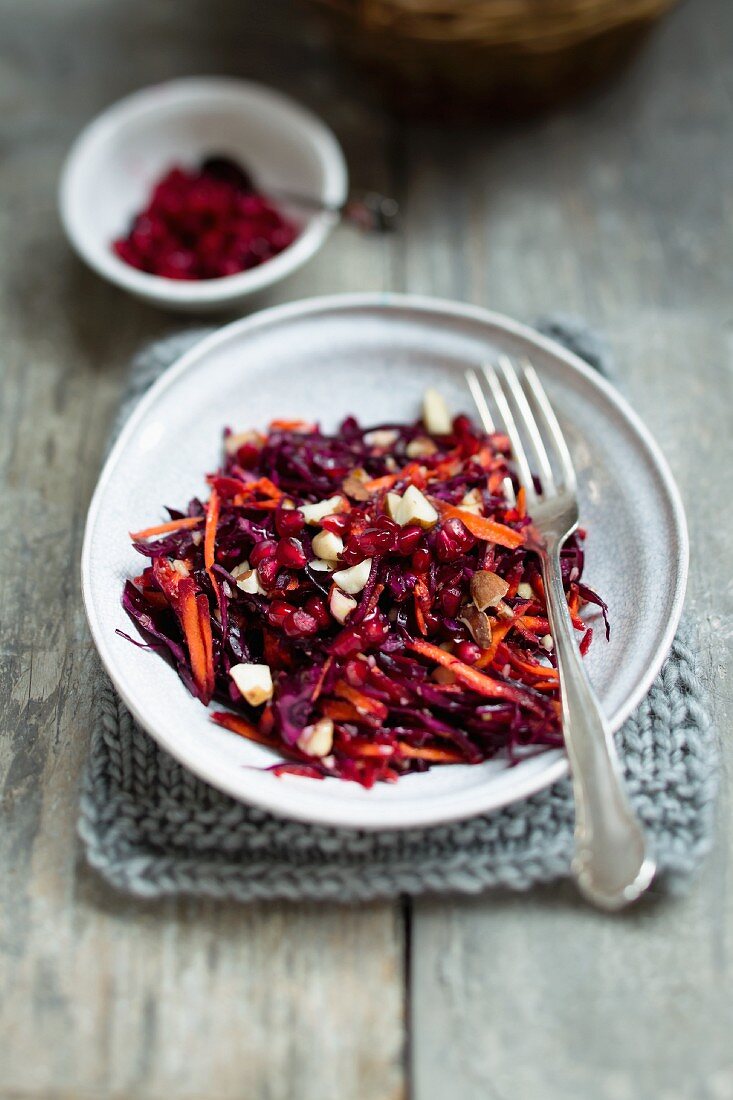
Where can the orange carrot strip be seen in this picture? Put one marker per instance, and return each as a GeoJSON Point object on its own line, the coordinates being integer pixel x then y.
{"type": "Point", "coordinates": [360, 749]}
{"type": "Point", "coordinates": [435, 756]}
{"type": "Point", "coordinates": [244, 728]}
{"type": "Point", "coordinates": [422, 600]}
{"type": "Point", "coordinates": [340, 711]}
{"type": "Point", "coordinates": [541, 671]}
{"type": "Point", "coordinates": [522, 502]}
{"type": "Point", "coordinates": [241, 501]}
{"type": "Point", "coordinates": [291, 426]}
{"type": "Point", "coordinates": [375, 484]}
{"type": "Point", "coordinates": [166, 528]}
{"type": "Point", "coordinates": [412, 472]}
{"type": "Point", "coordinates": [324, 673]}
{"type": "Point", "coordinates": [470, 677]}
{"type": "Point", "coordinates": [485, 529]}
{"type": "Point", "coordinates": [498, 632]}
{"type": "Point", "coordinates": [212, 520]}
{"type": "Point", "coordinates": [495, 482]}
{"type": "Point", "coordinates": [533, 622]}
{"type": "Point", "coordinates": [205, 631]}
{"type": "Point", "coordinates": [484, 457]}
{"type": "Point", "coordinates": [363, 703]}
{"type": "Point", "coordinates": [262, 485]}
{"type": "Point", "coordinates": [194, 619]}
{"type": "Point", "coordinates": [189, 613]}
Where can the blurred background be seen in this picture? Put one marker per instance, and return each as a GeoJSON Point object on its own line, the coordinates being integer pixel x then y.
{"type": "Point", "coordinates": [546, 156]}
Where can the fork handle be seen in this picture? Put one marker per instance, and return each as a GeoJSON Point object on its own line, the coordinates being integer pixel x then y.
{"type": "Point", "coordinates": [612, 864]}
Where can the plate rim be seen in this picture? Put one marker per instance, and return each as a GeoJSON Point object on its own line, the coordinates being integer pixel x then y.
{"type": "Point", "coordinates": [421, 814]}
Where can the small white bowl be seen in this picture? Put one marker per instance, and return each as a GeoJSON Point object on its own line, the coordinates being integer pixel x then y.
{"type": "Point", "coordinates": [115, 161]}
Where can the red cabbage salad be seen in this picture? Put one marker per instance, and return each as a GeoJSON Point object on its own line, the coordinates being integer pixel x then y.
{"type": "Point", "coordinates": [363, 603]}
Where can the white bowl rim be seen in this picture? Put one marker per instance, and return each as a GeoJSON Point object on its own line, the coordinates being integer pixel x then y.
{"type": "Point", "coordinates": [417, 814]}
{"type": "Point", "coordinates": [203, 291]}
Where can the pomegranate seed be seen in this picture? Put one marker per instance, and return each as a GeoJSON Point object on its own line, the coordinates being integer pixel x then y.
{"type": "Point", "coordinates": [375, 541]}
{"type": "Point", "coordinates": [316, 607]}
{"type": "Point", "coordinates": [263, 550]}
{"type": "Point", "coordinates": [267, 572]}
{"type": "Point", "coordinates": [462, 426]}
{"type": "Point", "coordinates": [421, 560]}
{"type": "Point", "coordinates": [451, 600]}
{"type": "Point", "coordinates": [288, 521]}
{"type": "Point", "coordinates": [300, 624]}
{"type": "Point", "coordinates": [453, 540]}
{"type": "Point", "coordinates": [408, 539]}
{"type": "Point", "coordinates": [374, 628]}
{"type": "Point", "coordinates": [205, 224]}
{"type": "Point", "coordinates": [336, 524]}
{"type": "Point", "coordinates": [278, 612]}
{"type": "Point", "coordinates": [468, 652]}
{"type": "Point", "coordinates": [290, 553]}
{"type": "Point", "coordinates": [248, 456]}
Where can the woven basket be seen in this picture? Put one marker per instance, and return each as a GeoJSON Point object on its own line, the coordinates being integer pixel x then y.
{"type": "Point", "coordinates": [514, 54]}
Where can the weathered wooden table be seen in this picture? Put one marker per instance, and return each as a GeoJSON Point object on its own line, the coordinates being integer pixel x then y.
{"type": "Point", "coordinates": [620, 210]}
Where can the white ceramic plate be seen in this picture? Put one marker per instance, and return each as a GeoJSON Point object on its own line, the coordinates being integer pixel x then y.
{"type": "Point", "coordinates": [115, 161]}
{"type": "Point", "coordinates": [373, 355]}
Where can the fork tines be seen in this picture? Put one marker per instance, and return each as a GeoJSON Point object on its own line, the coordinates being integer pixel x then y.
{"type": "Point", "coordinates": [527, 417]}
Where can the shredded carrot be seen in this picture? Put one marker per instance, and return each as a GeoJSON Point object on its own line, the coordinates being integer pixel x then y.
{"type": "Point", "coordinates": [522, 502]}
{"type": "Point", "coordinates": [435, 756]}
{"type": "Point", "coordinates": [468, 675]}
{"type": "Point", "coordinates": [166, 528]}
{"type": "Point", "coordinates": [244, 728]}
{"type": "Point", "coordinates": [372, 600]}
{"type": "Point", "coordinates": [413, 473]}
{"type": "Point", "coordinates": [324, 673]}
{"type": "Point", "coordinates": [190, 617]}
{"type": "Point", "coordinates": [533, 623]}
{"type": "Point", "coordinates": [242, 501]}
{"type": "Point", "coordinates": [507, 653]}
{"type": "Point", "coordinates": [262, 485]}
{"type": "Point", "coordinates": [545, 685]}
{"type": "Point", "coordinates": [291, 426]}
{"type": "Point", "coordinates": [205, 631]}
{"type": "Point", "coordinates": [495, 483]}
{"type": "Point", "coordinates": [339, 710]}
{"type": "Point", "coordinates": [498, 633]}
{"type": "Point", "coordinates": [212, 520]}
{"type": "Point", "coordinates": [484, 457]}
{"type": "Point", "coordinates": [422, 601]}
{"type": "Point", "coordinates": [363, 703]}
{"type": "Point", "coordinates": [376, 484]}
{"type": "Point", "coordinates": [481, 528]}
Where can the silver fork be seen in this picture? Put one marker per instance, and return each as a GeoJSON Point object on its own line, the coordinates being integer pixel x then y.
{"type": "Point", "coordinates": [612, 864]}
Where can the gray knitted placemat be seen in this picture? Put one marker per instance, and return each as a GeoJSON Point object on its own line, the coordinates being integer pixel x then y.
{"type": "Point", "coordinates": [151, 828]}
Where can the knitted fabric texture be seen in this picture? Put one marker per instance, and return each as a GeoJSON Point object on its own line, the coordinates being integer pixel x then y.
{"type": "Point", "coordinates": [151, 828]}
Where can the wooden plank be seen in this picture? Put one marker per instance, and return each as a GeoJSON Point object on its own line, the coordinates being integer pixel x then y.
{"type": "Point", "coordinates": [615, 210]}
{"type": "Point", "coordinates": [107, 997]}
